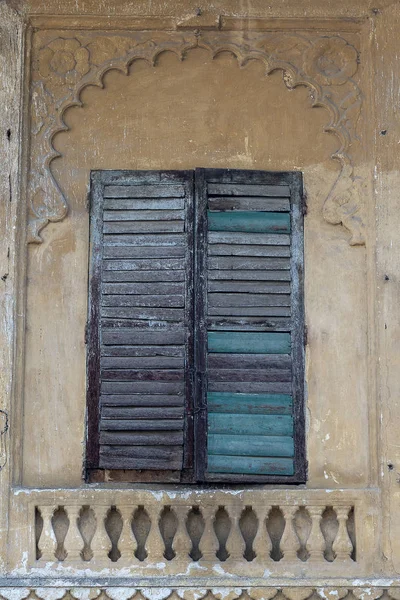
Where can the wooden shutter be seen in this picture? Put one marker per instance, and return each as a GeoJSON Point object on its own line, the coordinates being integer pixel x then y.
{"type": "Point", "coordinates": [140, 321]}
{"type": "Point", "coordinates": [250, 336]}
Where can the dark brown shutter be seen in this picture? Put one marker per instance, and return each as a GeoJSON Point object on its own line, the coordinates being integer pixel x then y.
{"type": "Point", "coordinates": [250, 336]}
{"type": "Point", "coordinates": [141, 321]}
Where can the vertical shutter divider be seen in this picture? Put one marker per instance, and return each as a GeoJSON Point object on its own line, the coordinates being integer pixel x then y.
{"type": "Point", "coordinates": [200, 327]}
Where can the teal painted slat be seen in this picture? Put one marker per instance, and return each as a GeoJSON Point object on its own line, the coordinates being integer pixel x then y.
{"type": "Point", "coordinates": [248, 343]}
{"type": "Point", "coordinates": [250, 465]}
{"type": "Point", "coordinates": [258, 445]}
{"type": "Point", "coordinates": [239, 424]}
{"type": "Point", "coordinates": [249, 221]}
{"type": "Point", "coordinates": [261, 404]}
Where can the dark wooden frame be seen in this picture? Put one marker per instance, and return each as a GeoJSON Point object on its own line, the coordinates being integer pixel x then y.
{"type": "Point", "coordinates": [195, 447]}
{"type": "Point", "coordinates": [295, 181]}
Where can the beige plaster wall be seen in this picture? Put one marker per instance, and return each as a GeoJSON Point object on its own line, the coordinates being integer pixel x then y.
{"type": "Point", "coordinates": [179, 115]}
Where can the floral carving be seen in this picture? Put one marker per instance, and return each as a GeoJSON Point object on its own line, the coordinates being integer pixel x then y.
{"type": "Point", "coordinates": [331, 61]}
{"type": "Point", "coordinates": [63, 60]}
{"type": "Point", "coordinates": [63, 67]}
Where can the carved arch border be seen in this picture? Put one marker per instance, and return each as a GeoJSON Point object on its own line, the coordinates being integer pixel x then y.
{"type": "Point", "coordinates": [64, 66]}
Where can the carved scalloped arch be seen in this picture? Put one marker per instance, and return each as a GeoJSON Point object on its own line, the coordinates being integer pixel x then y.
{"type": "Point", "coordinates": [343, 202]}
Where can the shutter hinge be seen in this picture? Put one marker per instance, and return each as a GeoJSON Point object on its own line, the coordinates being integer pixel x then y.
{"type": "Point", "coordinates": [86, 333]}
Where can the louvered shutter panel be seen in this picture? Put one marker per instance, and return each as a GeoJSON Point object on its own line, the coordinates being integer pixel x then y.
{"type": "Point", "coordinates": [141, 321]}
{"type": "Point", "coordinates": [250, 342]}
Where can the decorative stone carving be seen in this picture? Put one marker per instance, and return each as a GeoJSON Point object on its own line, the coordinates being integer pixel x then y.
{"type": "Point", "coordinates": [64, 66]}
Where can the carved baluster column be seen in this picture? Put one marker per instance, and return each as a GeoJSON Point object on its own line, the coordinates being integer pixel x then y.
{"type": "Point", "coordinates": [182, 544]}
{"type": "Point", "coordinates": [155, 546]}
{"type": "Point", "coordinates": [262, 544]}
{"type": "Point", "coordinates": [209, 543]}
{"type": "Point", "coordinates": [73, 542]}
{"type": "Point", "coordinates": [342, 545]}
{"type": "Point", "coordinates": [47, 542]}
{"type": "Point", "coordinates": [101, 543]}
{"type": "Point", "coordinates": [316, 543]}
{"type": "Point", "coordinates": [126, 542]}
{"type": "Point", "coordinates": [235, 544]}
{"type": "Point", "coordinates": [289, 544]}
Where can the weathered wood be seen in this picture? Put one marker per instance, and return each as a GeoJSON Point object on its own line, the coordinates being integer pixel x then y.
{"type": "Point", "coordinates": [143, 351]}
{"type": "Point", "coordinates": [248, 250]}
{"type": "Point", "coordinates": [279, 324]}
{"type": "Point", "coordinates": [147, 204]}
{"type": "Point", "coordinates": [166, 300]}
{"type": "Point", "coordinates": [247, 262]}
{"type": "Point", "coordinates": [224, 402]}
{"type": "Point", "coordinates": [249, 275]}
{"type": "Point", "coordinates": [247, 387]}
{"type": "Point", "coordinates": [242, 424]}
{"type": "Point", "coordinates": [274, 204]}
{"type": "Point", "coordinates": [144, 191]}
{"type": "Point", "coordinates": [133, 276]}
{"type": "Point", "coordinates": [146, 375]}
{"type": "Point", "coordinates": [249, 361]}
{"type": "Point", "coordinates": [144, 337]}
{"type": "Point", "coordinates": [142, 264]}
{"type": "Point", "coordinates": [252, 311]}
{"type": "Point", "coordinates": [260, 239]}
{"type": "Point", "coordinates": [138, 452]}
{"type": "Point", "coordinates": [259, 445]}
{"type": "Point", "coordinates": [251, 465]}
{"type": "Point", "coordinates": [142, 438]}
{"type": "Point", "coordinates": [146, 362]}
{"type": "Point", "coordinates": [249, 221]}
{"type": "Point", "coordinates": [141, 412]}
{"type": "Point", "coordinates": [141, 400]}
{"type": "Point", "coordinates": [231, 299]}
{"type": "Point", "coordinates": [128, 227]}
{"type": "Point", "coordinates": [142, 387]}
{"type": "Point", "coordinates": [152, 314]}
{"type": "Point", "coordinates": [141, 424]}
{"type": "Point", "coordinates": [143, 215]}
{"type": "Point", "coordinates": [267, 375]}
{"type": "Point", "coordinates": [235, 189]}
{"type": "Point", "coordinates": [143, 251]}
{"type": "Point", "coordinates": [245, 343]}
{"type": "Point", "coordinates": [118, 462]}
{"type": "Point", "coordinates": [250, 287]}
{"type": "Point", "coordinates": [131, 239]}
{"type": "Point", "coordinates": [158, 288]}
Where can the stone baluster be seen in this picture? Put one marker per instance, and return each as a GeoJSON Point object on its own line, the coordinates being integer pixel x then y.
{"type": "Point", "coordinates": [182, 544]}
{"type": "Point", "coordinates": [47, 542]}
{"type": "Point", "coordinates": [235, 544]}
{"type": "Point", "coordinates": [73, 542]}
{"type": "Point", "coordinates": [155, 546]}
{"type": "Point", "coordinates": [101, 543]}
{"type": "Point", "coordinates": [289, 544]}
{"type": "Point", "coordinates": [126, 542]}
{"type": "Point", "coordinates": [316, 543]}
{"type": "Point", "coordinates": [342, 546]}
{"type": "Point", "coordinates": [262, 544]}
{"type": "Point", "coordinates": [209, 543]}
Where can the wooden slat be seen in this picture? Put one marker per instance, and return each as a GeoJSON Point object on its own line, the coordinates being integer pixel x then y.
{"type": "Point", "coordinates": [141, 438]}
{"type": "Point", "coordinates": [249, 221]}
{"type": "Point", "coordinates": [279, 324]}
{"type": "Point", "coordinates": [167, 300]}
{"type": "Point", "coordinates": [144, 351]}
{"type": "Point", "coordinates": [143, 251]}
{"type": "Point", "coordinates": [138, 337]}
{"type": "Point", "coordinates": [143, 215]}
{"type": "Point", "coordinates": [235, 189]}
{"type": "Point", "coordinates": [161, 288]}
{"type": "Point", "coordinates": [249, 287]}
{"type": "Point", "coordinates": [142, 362]}
{"type": "Point", "coordinates": [141, 412]}
{"type": "Point", "coordinates": [249, 361]}
{"type": "Point", "coordinates": [128, 227]}
{"type": "Point", "coordinates": [224, 402]}
{"type": "Point", "coordinates": [147, 314]}
{"type": "Point", "coordinates": [249, 203]}
{"type": "Point", "coordinates": [252, 311]}
{"type": "Point", "coordinates": [142, 387]}
{"type": "Point", "coordinates": [142, 264]}
{"type": "Point", "coordinates": [144, 191]}
{"type": "Point", "coordinates": [249, 275]}
{"type": "Point", "coordinates": [250, 465]}
{"type": "Point", "coordinates": [144, 375]}
{"type": "Point", "coordinates": [260, 445]}
{"type": "Point", "coordinates": [147, 204]}
{"type": "Point", "coordinates": [133, 276]}
{"type": "Point", "coordinates": [240, 424]}
{"type": "Point", "coordinates": [216, 299]}
{"type": "Point", "coordinates": [254, 375]}
{"type": "Point", "coordinates": [139, 452]}
{"type": "Point", "coordinates": [260, 239]}
{"type": "Point", "coordinates": [141, 424]}
{"type": "Point", "coordinates": [250, 387]}
{"type": "Point", "coordinates": [248, 250]}
{"type": "Point", "coordinates": [129, 239]}
{"type": "Point", "coordinates": [247, 263]}
{"type": "Point", "coordinates": [141, 400]}
{"type": "Point", "coordinates": [156, 464]}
